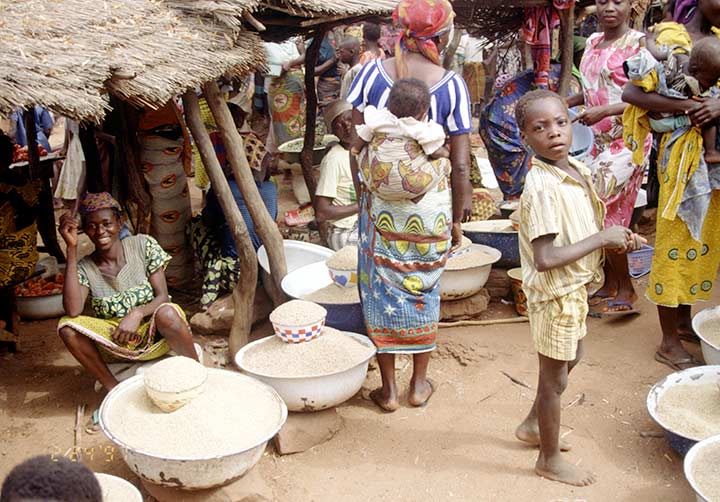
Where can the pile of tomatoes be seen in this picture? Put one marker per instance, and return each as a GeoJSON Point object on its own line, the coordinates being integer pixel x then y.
{"type": "Point", "coordinates": [20, 153]}
{"type": "Point", "coordinates": [41, 286]}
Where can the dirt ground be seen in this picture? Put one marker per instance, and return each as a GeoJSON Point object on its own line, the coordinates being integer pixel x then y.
{"type": "Point", "coordinates": [459, 447]}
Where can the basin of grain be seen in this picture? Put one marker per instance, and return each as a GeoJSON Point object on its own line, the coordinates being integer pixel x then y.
{"type": "Point", "coordinates": [693, 411]}
{"type": "Point", "coordinates": [330, 353]}
{"type": "Point", "coordinates": [705, 472]}
{"type": "Point", "coordinates": [333, 294]}
{"type": "Point", "coordinates": [175, 374]}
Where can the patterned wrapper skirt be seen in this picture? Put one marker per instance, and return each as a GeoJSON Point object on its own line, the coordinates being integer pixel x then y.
{"type": "Point", "coordinates": [403, 247]}
{"type": "Point", "coordinates": [145, 347]}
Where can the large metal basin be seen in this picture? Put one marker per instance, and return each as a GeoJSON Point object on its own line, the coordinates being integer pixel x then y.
{"type": "Point", "coordinates": [187, 473]}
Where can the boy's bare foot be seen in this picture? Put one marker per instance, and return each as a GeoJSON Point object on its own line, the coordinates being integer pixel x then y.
{"type": "Point", "coordinates": [712, 157]}
{"type": "Point", "coordinates": [420, 394]}
{"type": "Point", "coordinates": [529, 432]}
{"type": "Point", "coordinates": [386, 403]}
{"type": "Point", "coordinates": [559, 470]}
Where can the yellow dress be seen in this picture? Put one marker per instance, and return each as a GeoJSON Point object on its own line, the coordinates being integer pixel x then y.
{"type": "Point", "coordinates": [683, 269]}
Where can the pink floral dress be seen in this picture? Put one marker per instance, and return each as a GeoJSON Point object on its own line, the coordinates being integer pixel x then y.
{"type": "Point", "coordinates": [617, 179]}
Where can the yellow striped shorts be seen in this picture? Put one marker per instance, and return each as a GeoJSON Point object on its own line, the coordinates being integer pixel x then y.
{"type": "Point", "coordinates": [557, 325]}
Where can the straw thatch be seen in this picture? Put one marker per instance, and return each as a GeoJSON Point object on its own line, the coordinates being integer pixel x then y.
{"type": "Point", "coordinates": [67, 54]}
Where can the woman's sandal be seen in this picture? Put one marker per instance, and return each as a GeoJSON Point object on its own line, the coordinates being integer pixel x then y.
{"type": "Point", "coordinates": [93, 424]}
{"type": "Point", "coordinates": [598, 299]}
{"type": "Point", "coordinates": [676, 364]}
{"type": "Point", "coordinates": [627, 308]}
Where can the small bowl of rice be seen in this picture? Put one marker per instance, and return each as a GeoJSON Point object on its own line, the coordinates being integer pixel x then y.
{"type": "Point", "coordinates": [174, 382]}
{"type": "Point", "coordinates": [343, 265]}
{"type": "Point", "coordinates": [115, 489]}
{"type": "Point", "coordinates": [298, 321]}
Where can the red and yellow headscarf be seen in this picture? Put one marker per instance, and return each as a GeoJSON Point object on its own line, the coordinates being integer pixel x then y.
{"type": "Point", "coordinates": [421, 22]}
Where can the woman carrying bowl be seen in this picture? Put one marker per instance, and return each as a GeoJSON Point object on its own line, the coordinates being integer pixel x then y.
{"type": "Point", "coordinates": [403, 244]}
{"type": "Point", "coordinates": [617, 178]}
{"type": "Point", "coordinates": [126, 283]}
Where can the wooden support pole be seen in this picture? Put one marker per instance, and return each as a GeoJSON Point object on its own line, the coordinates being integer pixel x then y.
{"type": "Point", "coordinates": [265, 226]}
{"type": "Point", "coordinates": [567, 20]}
{"type": "Point", "coordinates": [306, 156]}
{"type": "Point", "coordinates": [244, 292]}
{"type": "Point", "coordinates": [46, 212]}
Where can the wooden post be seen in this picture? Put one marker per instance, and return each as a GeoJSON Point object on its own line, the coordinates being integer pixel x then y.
{"type": "Point", "coordinates": [567, 20]}
{"type": "Point", "coordinates": [306, 156]}
{"type": "Point", "coordinates": [244, 292]}
{"type": "Point", "coordinates": [265, 226]}
{"type": "Point", "coordinates": [46, 212]}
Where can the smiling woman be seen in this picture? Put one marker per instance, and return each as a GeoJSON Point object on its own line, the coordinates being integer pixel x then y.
{"type": "Point", "coordinates": [126, 283]}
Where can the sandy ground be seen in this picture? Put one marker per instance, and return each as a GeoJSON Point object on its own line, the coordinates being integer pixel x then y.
{"type": "Point", "coordinates": [460, 447]}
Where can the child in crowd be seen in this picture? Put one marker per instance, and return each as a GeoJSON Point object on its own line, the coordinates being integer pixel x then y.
{"type": "Point", "coordinates": [405, 152]}
{"type": "Point", "coordinates": [686, 74]}
{"type": "Point", "coordinates": [371, 40]}
{"type": "Point", "coordinates": [45, 478]}
{"type": "Point", "coordinates": [561, 249]}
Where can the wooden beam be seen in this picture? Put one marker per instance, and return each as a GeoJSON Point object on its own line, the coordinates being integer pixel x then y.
{"type": "Point", "coordinates": [46, 210]}
{"type": "Point", "coordinates": [306, 156]}
{"type": "Point", "coordinates": [567, 20]}
{"type": "Point", "coordinates": [265, 226]}
{"type": "Point", "coordinates": [244, 292]}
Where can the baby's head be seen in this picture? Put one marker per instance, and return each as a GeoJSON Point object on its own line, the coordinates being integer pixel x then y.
{"type": "Point", "coordinates": [544, 123]}
{"type": "Point", "coordinates": [704, 62]}
{"type": "Point", "coordinates": [51, 479]}
{"type": "Point", "coordinates": [409, 97]}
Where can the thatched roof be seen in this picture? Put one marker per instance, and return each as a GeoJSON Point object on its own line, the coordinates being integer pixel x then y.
{"type": "Point", "coordinates": [66, 54]}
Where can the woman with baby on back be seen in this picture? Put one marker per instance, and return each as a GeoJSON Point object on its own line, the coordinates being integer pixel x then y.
{"type": "Point", "coordinates": [406, 214]}
{"type": "Point", "coordinates": [687, 246]}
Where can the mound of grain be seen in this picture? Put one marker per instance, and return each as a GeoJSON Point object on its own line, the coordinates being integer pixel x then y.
{"type": "Point", "coordinates": [175, 374]}
{"type": "Point", "coordinates": [706, 473]}
{"type": "Point", "coordinates": [297, 313]}
{"type": "Point", "coordinates": [710, 331]}
{"type": "Point", "coordinates": [116, 489]}
{"type": "Point", "coordinates": [471, 259]}
{"type": "Point", "coordinates": [331, 352]}
{"type": "Point", "coordinates": [344, 259]}
{"type": "Point", "coordinates": [334, 294]}
{"type": "Point", "coordinates": [232, 415]}
{"type": "Point", "coordinates": [692, 411]}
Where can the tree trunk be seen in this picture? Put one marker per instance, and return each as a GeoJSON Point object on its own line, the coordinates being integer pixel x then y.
{"type": "Point", "coordinates": [451, 49]}
{"type": "Point", "coordinates": [244, 292]}
{"type": "Point", "coordinates": [567, 20]}
{"type": "Point", "coordinates": [265, 226]}
{"type": "Point", "coordinates": [306, 156]}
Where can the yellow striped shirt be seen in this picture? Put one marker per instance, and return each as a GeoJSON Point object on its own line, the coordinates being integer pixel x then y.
{"type": "Point", "coordinates": [554, 203]}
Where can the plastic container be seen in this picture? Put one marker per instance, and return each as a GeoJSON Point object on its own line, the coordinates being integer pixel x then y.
{"type": "Point", "coordinates": [640, 261]}
{"type": "Point", "coordinates": [519, 297]}
{"type": "Point", "coordinates": [583, 139]}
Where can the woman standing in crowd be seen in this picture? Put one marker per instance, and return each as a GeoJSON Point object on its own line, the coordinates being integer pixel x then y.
{"type": "Point", "coordinates": [403, 244]}
{"type": "Point", "coordinates": [687, 246]}
{"type": "Point", "coordinates": [617, 178]}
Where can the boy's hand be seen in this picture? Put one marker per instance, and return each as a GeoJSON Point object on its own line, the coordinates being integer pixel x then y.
{"type": "Point", "coordinates": [617, 237]}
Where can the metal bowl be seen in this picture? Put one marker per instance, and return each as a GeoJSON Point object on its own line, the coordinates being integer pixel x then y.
{"type": "Point", "coordinates": [113, 487]}
{"type": "Point", "coordinates": [40, 307]}
{"type": "Point", "coordinates": [690, 376]}
{"type": "Point", "coordinates": [291, 156]}
{"type": "Point", "coordinates": [463, 283]}
{"type": "Point", "coordinates": [305, 280]}
{"type": "Point", "coordinates": [317, 392]}
{"type": "Point", "coordinates": [710, 352]}
{"type": "Point", "coordinates": [690, 460]}
{"type": "Point", "coordinates": [498, 234]}
{"type": "Point", "coordinates": [187, 473]}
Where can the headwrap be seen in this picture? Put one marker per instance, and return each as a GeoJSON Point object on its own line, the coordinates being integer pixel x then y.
{"type": "Point", "coordinates": [333, 110]}
{"type": "Point", "coordinates": [684, 10]}
{"type": "Point", "coordinates": [421, 21]}
{"type": "Point", "coordinates": [92, 202]}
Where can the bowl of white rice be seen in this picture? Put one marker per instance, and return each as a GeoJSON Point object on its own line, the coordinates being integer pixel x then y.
{"type": "Point", "coordinates": [211, 441]}
{"type": "Point", "coordinates": [686, 404]}
{"type": "Point", "coordinates": [701, 469]}
{"type": "Point", "coordinates": [312, 376]}
{"type": "Point", "coordinates": [467, 273]}
{"type": "Point", "coordinates": [115, 489]}
{"type": "Point", "coordinates": [298, 321]}
{"type": "Point", "coordinates": [174, 382]}
{"type": "Point", "coordinates": [342, 266]}
{"type": "Point", "coordinates": [706, 325]}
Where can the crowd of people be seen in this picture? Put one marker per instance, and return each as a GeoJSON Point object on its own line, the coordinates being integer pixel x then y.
{"type": "Point", "coordinates": [396, 183]}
